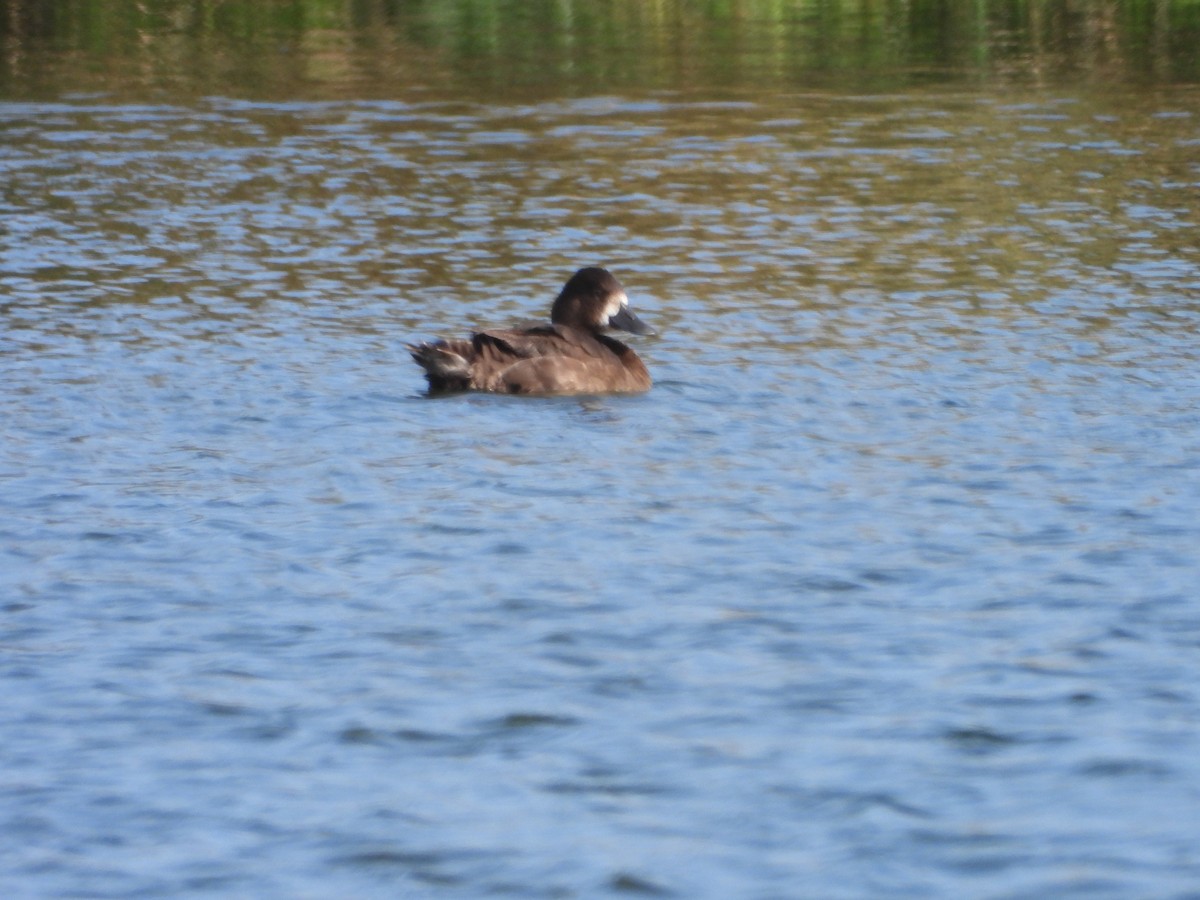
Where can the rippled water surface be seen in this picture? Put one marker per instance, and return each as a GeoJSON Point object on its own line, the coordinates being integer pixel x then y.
{"type": "Point", "coordinates": [888, 587]}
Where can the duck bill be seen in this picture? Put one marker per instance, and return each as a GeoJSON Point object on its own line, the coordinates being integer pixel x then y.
{"type": "Point", "coordinates": [627, 321]}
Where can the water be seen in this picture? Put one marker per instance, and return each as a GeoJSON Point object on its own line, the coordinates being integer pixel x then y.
{"type": "Point", "coordinates": [886, 588]}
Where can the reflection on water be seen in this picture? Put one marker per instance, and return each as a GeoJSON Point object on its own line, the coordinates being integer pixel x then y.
{"type": "Point", "coordinates": [993, 200]}
{"type": "Point", "coordinates": [887, 587]}
{"type": "Point", "coordinates": [357, 47]}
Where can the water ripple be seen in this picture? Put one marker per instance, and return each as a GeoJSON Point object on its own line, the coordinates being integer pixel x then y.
{"type": "Point", "coordinates": [894, 566]}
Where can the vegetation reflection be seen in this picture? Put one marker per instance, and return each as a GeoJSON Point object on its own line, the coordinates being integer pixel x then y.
{"type": "Point", "coordinates": [590, 44]}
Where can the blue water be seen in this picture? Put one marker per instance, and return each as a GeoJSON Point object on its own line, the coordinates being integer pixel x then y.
{"type": "Point", "coordinates": [888, 587]}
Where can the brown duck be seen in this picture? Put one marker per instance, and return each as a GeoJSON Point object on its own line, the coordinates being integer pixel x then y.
{"type": "Point", "coordinates": [570, 355]}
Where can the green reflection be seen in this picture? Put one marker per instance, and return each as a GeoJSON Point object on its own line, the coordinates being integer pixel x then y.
{"type": "Point", "coordinates": [583, 46]}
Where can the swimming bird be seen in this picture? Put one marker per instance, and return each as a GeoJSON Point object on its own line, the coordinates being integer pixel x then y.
{"type": "Point", "coordinates": [570, 355]}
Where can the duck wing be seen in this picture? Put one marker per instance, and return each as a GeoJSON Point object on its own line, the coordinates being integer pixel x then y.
{"type": "Point", "coordinates": [558, 359]}
{"type": "Point", "coordinates": [528, 342]}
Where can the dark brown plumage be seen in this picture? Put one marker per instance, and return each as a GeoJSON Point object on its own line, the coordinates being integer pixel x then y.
{"type": "Point", "coordinates": [570, 355]}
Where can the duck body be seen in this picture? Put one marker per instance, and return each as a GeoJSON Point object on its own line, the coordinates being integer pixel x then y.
{"type": "Point", "coordinates": [568, 355]}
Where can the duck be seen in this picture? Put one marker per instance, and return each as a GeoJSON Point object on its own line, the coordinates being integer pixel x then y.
{"type": "Point", "coordinates": [569, 355]}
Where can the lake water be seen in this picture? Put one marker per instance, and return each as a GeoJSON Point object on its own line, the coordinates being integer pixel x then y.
{"type": "Point", "coordinates": [888, 587]}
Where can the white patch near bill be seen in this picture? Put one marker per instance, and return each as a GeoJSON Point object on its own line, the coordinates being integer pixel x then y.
{"type": "Point", "coordinates": [615, 304]}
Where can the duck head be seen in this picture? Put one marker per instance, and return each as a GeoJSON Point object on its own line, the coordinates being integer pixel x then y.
{"type": "Point", "coordinates": [594, 300]}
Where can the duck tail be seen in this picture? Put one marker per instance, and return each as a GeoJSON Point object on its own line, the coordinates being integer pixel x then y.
{"type": "Point", "coordinates": [445, 368]}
